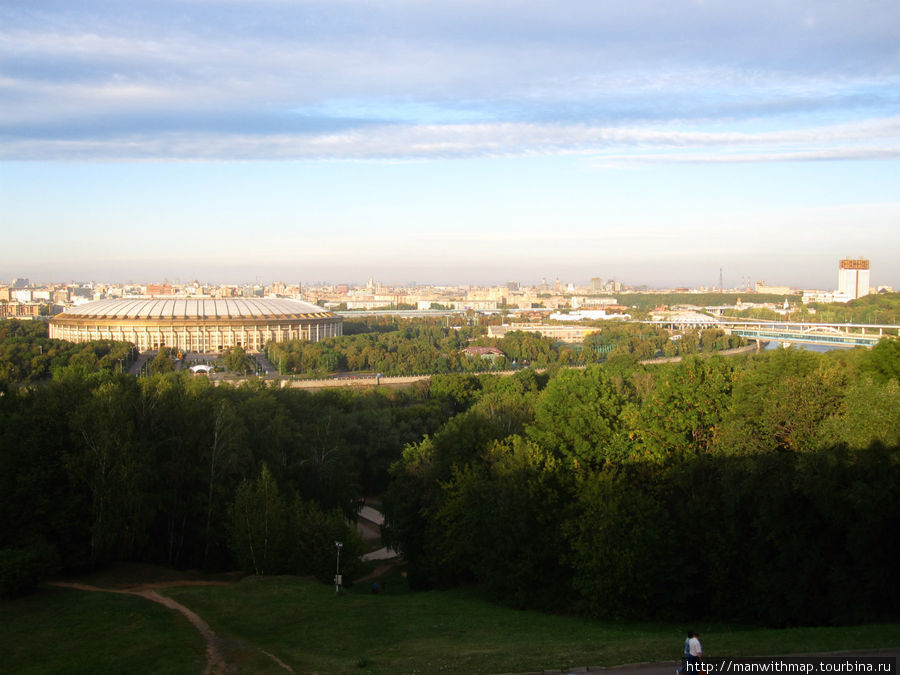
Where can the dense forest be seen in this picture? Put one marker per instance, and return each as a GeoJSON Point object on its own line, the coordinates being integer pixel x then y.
{"type": "Point", "coordinates": [756, 488]}
{"type": "Point", "coordinates": [99, 466]}
{"type": "Point", "coordinates": [27, 354]}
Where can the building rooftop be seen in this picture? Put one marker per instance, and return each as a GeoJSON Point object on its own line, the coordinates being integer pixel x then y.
{"type": "Point", "coordinates": [189, 308]}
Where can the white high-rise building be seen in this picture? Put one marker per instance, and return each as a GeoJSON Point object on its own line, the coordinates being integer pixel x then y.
{"type": "Point", "coordinates": [853, 277]}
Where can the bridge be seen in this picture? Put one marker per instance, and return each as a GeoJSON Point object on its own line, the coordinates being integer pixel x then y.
{"type": "Point", "coordinates": [834, 334]}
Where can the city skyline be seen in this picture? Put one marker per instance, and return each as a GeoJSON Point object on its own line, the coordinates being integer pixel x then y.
{"type": "Point", "coordinates": [852, 285]}
{"type": "Point", "coordinates": [450, 143]}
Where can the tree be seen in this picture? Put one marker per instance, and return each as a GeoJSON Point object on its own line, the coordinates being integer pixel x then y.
{"type": "Point", "coordinates": [622, 546]}
{"type": "Point", "coordinates": [780, 403]}
{"type": "Point", "coordinates": [408, 504]}
{"type": "Point", "coordinates": [222, 450]}
{"type": "Point", "coordinates": [316, 531]}
{"type": "Point", "coordinates": [260, 527]}
{"type": "Point", "coordinates": [237, 361]}
{"type": "Point", "coordinates": [679, 417]}
{"type": "Point", "coordinates": [501, 525]}
{"type": "Point", "coordinates": [578, 417]}
{"type": "Point", "coordinates": [105, 458]}
{"type": "Point", "coordinates": [883, 360]}
{"type": "Point", "coordinates": [170, 417]}
{"type": "Point", "coordinates": [161, 363]}
{"type": "Point", "coordinates": [326, 471]}
{"type": "Point", "coordinates": [869, 413]}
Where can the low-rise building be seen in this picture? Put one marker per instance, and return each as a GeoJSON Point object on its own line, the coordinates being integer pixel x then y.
{"type": "Point", "coordinates": [559, 333]}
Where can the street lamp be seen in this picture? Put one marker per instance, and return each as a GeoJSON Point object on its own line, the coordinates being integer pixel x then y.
{"type": "Point", "coordinates": [337, 574]}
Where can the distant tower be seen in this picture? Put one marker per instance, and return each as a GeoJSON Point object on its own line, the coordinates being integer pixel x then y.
{"type": "Point", "coordinates": [721, 282]}
{"type": "Point", "coordinates": [853, 277]}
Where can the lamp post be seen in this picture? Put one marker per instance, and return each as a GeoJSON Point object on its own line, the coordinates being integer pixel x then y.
{"type": "Point", "coordinates": [337, 574]}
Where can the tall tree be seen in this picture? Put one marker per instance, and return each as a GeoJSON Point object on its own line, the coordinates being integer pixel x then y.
{"type": "Point", "coordinates": [260, 530]}
{"type": "Point", "coordinates": [578, 417]}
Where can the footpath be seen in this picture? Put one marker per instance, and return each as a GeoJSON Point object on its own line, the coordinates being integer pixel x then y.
{"type": "Point", "coordinates": [217, 662]}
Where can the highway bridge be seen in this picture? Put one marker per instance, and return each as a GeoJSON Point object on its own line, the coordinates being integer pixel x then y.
{"type": "Point", "coordinates": [834, 334]}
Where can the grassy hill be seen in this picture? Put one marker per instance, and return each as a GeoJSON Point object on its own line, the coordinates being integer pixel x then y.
{"type": "Point", "coordinates": [301, 623]}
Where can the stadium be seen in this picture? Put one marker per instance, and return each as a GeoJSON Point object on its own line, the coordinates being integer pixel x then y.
{"type": "Point", "coordinates": [197, 325]}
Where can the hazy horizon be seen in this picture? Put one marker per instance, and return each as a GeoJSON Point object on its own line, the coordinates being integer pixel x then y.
{"type": "Point", "coordinates": [287, 275]}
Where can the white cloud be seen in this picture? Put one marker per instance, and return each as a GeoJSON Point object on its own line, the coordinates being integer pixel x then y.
{"type": "Point", "coordinates": [525, 60]}
{"type": "Point", "coordinates": [843, 154]}
{"type": "Point", "coordinates": [869, 139]}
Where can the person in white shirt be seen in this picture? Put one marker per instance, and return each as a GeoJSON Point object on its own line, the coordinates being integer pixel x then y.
{"type": "Point", "coordinates": [695, 655]}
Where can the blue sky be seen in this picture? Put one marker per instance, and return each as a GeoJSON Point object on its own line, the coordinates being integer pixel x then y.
{"type": "Point", "coordinates": [452, 142]}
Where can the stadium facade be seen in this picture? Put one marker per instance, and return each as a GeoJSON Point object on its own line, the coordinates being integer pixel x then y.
{"type": "Point", "coordinates": [197, 325]}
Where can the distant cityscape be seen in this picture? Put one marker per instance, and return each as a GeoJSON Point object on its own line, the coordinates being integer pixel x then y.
{"type": "Point", "coordinates": [598, 299]}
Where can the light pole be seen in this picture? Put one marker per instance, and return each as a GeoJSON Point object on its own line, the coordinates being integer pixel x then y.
{"type": "Point", "coordinates": [337, 574]}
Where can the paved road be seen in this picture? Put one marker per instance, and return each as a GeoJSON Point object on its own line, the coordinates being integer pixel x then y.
{"type": "Point", "coordinates": [265, 364]}
{"type": "Point", "coordinates": [143, 357]}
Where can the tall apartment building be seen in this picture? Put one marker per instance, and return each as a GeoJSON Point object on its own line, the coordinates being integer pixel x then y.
{"type": "Point", "coordinates": [853, 277]}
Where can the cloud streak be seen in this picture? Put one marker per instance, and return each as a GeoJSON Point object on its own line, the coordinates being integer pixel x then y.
{"type": "Point", "coordinates": [403, 80]}
{"type": "Point", "coordinates": [870, 139]}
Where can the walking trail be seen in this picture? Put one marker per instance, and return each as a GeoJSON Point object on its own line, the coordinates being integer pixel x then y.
{"type": "Point", "coordinates": [215, 654]}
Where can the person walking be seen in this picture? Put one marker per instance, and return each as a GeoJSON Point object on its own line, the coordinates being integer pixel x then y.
{"type": "Point", "coordinates": [695, 653]}
{"type": "Point", "coordinates": [687, 650]}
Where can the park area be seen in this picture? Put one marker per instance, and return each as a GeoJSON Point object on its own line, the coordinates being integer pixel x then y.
{"type": "Point", "coordinates": [294, 624]}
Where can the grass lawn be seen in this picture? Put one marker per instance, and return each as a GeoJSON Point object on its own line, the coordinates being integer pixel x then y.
{"type": "Point", "coordinates": [302, 623]}
{"type": "Point", "coordinates": [306, 626]}
{"type": "Point", "coordinates": [61, 630]}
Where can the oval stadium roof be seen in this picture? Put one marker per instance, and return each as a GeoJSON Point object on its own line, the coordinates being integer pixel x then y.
{"type": "Point", "coordinates": [194, 308]}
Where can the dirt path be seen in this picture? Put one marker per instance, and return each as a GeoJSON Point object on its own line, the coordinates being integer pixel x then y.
{"type": "Point", "coordinates": [215, 658]}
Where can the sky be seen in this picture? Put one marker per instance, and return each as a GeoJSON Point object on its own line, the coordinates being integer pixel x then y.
{"type": "Point", "coordinates": [654, 142]}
